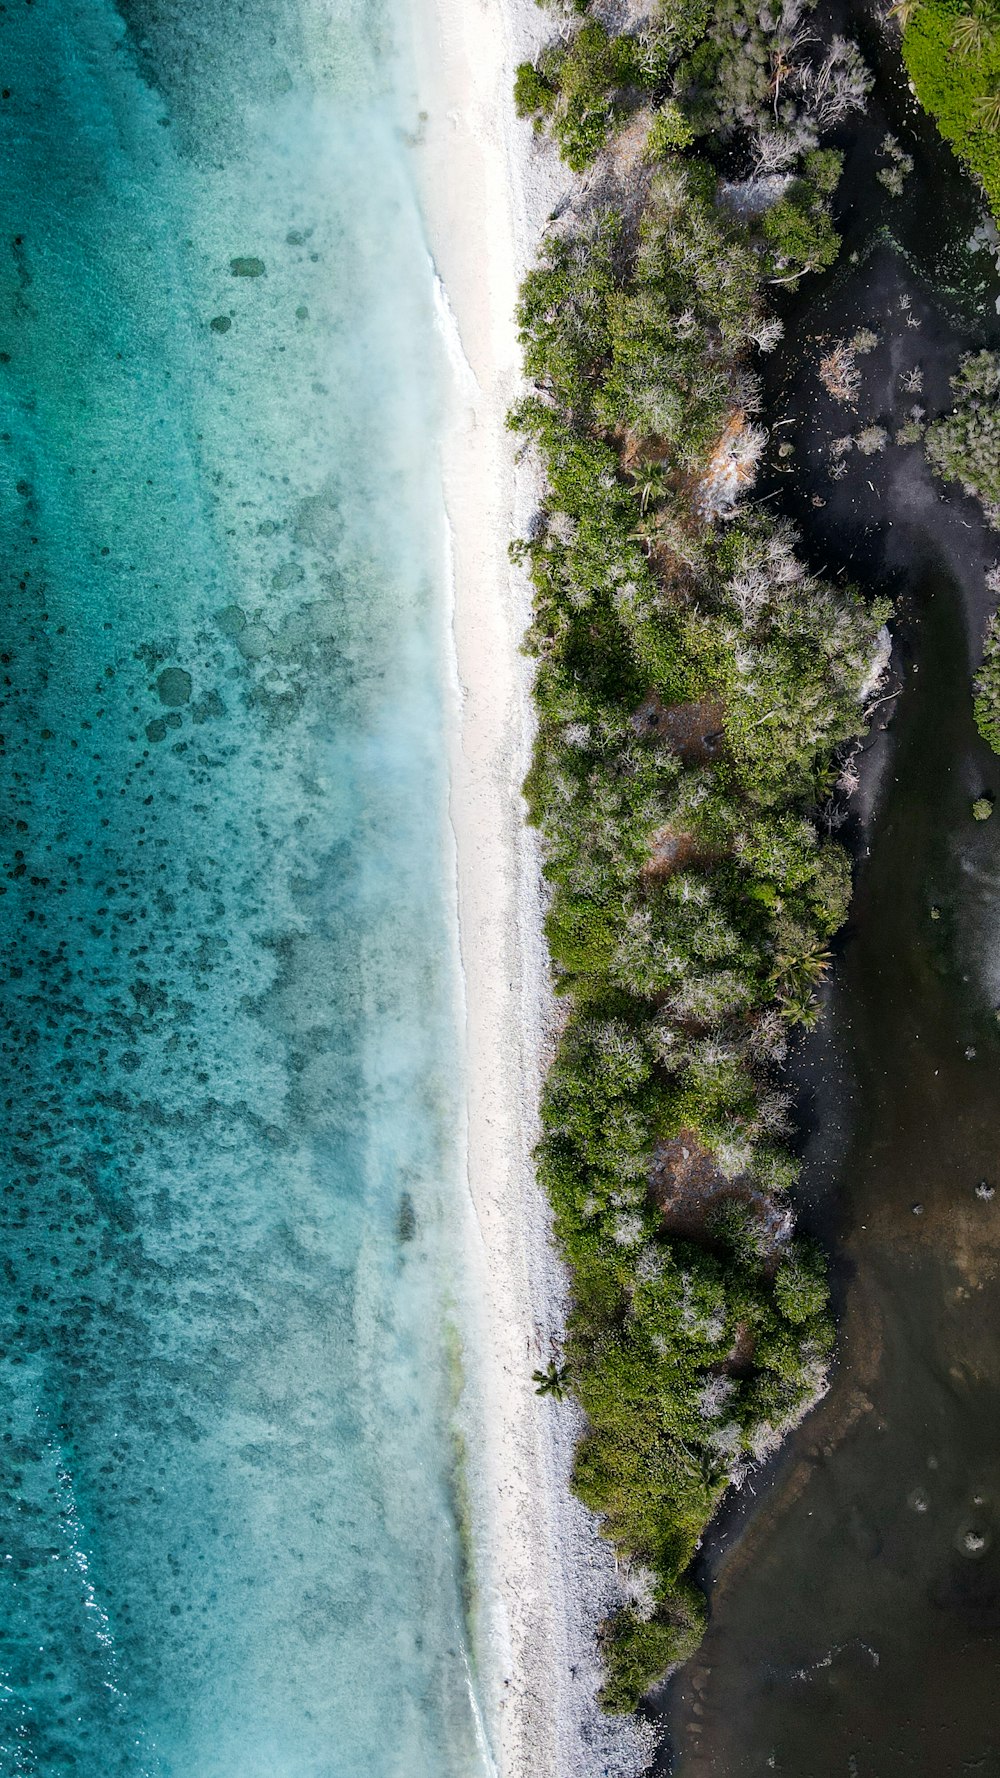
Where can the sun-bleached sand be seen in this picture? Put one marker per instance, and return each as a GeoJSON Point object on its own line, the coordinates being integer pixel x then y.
{"type": "Point", "coordinates": [544, 1578]}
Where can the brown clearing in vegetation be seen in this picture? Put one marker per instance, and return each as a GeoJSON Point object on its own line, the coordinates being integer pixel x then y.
{"type": "Point", "coordinates": [671, 850]}
{"type": "Point", "coordinates": [688, 1188]}
{"type": "Point", "coordinates": [731, 467]}
{"type": "Point", "coordinates": [694, 731]}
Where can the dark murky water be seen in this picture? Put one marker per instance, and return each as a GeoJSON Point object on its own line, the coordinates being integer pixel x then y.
{"type": "Point", "coordinates": [855, 1601]}
{"type": "Point", "coordinates": [856, 1622]}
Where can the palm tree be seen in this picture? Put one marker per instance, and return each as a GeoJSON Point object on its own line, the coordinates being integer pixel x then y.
{"type": "Point", "coordinates": [553, 1380]}
{"type": "Point", "coordinates": [802, 1009]}
{"type": "Point", "coordinates": [653, 482]}
{"type": "Point", "coordinates": [797, 972]}
{"type": "Point", "coordinates": [904, 12]}
{"type": "Point", "coordinates": [970, 34]}
{"type": "Point", "coordinates": [988, 111]}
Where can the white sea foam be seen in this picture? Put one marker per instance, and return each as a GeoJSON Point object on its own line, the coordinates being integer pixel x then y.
{"type": "Point", "coordinates": [466, 381]}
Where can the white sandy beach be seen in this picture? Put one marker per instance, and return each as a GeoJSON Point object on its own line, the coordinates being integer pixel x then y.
{"type": "Point", "coordinates": [544, 1577]}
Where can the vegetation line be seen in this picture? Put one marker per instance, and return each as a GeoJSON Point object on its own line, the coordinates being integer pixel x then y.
{"type": "Point", "coordinates": [952, 53]}
{"type": "Point", "coordinates": [700, 695]}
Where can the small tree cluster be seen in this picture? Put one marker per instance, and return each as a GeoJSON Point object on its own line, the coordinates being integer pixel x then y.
{"type": "Point", "coordinates": [987, 681]}
{"type": "Point", "coordinates": [896, 166]}
{"type": "Point", "coordinates": [964, 445]}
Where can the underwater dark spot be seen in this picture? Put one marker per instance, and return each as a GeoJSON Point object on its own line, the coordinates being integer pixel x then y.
{"type": "Point", "coordinates": [220, 323]}
{"type": "Point", "coordinates": [208, 708]}
{"type": "Point", "coordinates": [406, 1219]}
{"type": "Point", "coordinates": [247, 268]}
{"type": "Point", "coordinates": [287, 574]}
{"type": "Point", "coordinates": [232, 621]}
{"type": "Point", "coordinates": [301, 314]}
{"type": "Point", "coordinates": [156, 730]}
{"type": "Point", "coordinates": [318, 522]}
{"type": "Point", "coordinates": [174, 686]}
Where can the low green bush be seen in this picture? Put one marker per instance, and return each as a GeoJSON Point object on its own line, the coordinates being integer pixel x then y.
{"type": "Point", "coordinates": [800, 232]}
{"type": "Point", "coordinates": [637, 1650]}
{"type": "Point", "coordinates": [574, 91]}
{"type": "Point", "coordinates": [987, 686]}
{"type": "Point", "coordinates": [669, 131]}
{"type": "Point", "coordinates": [964, 445]}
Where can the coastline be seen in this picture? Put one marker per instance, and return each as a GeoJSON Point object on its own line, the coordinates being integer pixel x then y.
{"type": "Point", "coordinates": [544, 1577]}
{"type": "Point", "coordinates": [535, 1602]}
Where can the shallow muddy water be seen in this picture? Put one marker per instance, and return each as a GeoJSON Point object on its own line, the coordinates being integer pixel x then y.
{"type": "Point", "coordinates": [856, 1621]}
{"type": "Point", "coordinates": [855, 1586]}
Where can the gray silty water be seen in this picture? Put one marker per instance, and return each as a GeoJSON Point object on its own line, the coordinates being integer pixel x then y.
{"type": "Point", "coordinates": [230, 1059]}
{"type": "Point", "coordinates": [855, 1592]}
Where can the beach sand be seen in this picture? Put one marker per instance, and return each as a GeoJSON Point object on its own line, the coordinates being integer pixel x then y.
{"type": "Point", "coordinates": [544, 1578]}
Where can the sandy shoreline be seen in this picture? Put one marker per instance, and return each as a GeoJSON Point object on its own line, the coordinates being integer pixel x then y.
{"type": "Point", "coordinates": [544, 1577]}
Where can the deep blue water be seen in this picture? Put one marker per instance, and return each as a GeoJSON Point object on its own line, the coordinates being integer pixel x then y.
{"type": "Point", "coordinates": [230, 1059]}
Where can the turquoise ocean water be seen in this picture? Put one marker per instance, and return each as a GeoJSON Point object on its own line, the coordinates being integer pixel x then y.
{"type": "Point", "coordinates": [230, 1057]}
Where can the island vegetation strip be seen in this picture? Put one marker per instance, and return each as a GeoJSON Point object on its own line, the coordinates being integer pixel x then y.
{"type": "Point", "coordinates": [699, 697]}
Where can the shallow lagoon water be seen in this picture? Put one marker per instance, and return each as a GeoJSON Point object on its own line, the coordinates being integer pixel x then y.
{"type": "Point", "coordinates": [230, 1051]}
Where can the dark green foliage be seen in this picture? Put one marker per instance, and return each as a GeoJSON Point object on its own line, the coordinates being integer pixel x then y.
{"type": "Point", "coordinates": [823, 167]}
{"type": "Point", "coordinates": [534, 94]}
{"type": "Point", "coordinates": [800, 232]}
{"type": "Point", "coordinates": [636, 1650]}
{"type": "Point", "coordinates": [712, 67]}
{"type": "Point", "coordinates": [800, 1287]}
{"type": "Point", "coordinates": [669, 131]}
{"type": "Point", "coordinates": [574, 92]}
{"type": "Point", "coordinates": [682, 23]}
{"type": "Point", "coordinates": [692, 684]}
{"type": "Point", "coordinates": [957, 82]}
{"type": "Point", "coordinates": [987, 687]}
{"type": "Point", "coordinates": [687, 312]}
{"type": "Point", "coordinates": [965, 444]}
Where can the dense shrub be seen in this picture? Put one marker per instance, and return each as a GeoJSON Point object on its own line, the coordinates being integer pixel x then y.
{"type": "Point", "coordinates": [964, 445]}
{"type": "Point", "coordinates": [638, 1650]}
{"type": "Point", "coordinates": [573, 92]}
{"type": "Point", "coordinates": [987, 686]}
{"type": "Point", "coordinates": [800, 232]}
{"type": "Point", "coordinates": [956, 81]}
{"type": "Point", "coordinates": [669, 130]}
{"type": "Point", "coordinates": [721, 68]}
